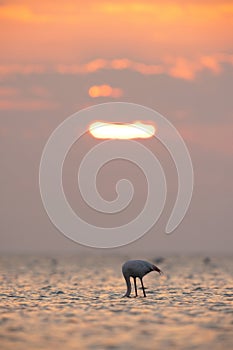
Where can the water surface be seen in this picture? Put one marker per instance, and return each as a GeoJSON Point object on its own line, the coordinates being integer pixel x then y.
{"type": "Point", "coordinates": [76, 303]}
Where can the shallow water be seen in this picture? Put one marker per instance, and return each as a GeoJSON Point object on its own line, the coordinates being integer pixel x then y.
{"type": "Point", "coordinates": [76, 303]}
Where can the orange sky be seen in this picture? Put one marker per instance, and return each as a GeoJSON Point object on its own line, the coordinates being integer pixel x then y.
{"type": "Point", "coordinates": [146, 31]}
{"type": "Point", "coordinates": [174, 56]}
{"type": "Point", "coordinates": [178, 38]}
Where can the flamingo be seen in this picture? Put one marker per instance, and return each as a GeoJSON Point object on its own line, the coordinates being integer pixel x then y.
{"type": "Point", "coordinates": [137, 268]}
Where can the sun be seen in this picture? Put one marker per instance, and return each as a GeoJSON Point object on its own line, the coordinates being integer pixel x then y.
{"type": "Point", "coordinates": [122, 131]}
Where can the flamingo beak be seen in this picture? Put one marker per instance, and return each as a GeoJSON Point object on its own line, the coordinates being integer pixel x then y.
{"type": "Point", "coordinates": [158, 270]}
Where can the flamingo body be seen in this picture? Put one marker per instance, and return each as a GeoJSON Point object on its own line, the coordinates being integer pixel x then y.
{"type": "Point", "coordinates": [137, 269]}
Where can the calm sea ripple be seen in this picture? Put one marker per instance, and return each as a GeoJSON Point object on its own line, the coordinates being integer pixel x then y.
{"type": "Point", "coordinates": [76, 303]}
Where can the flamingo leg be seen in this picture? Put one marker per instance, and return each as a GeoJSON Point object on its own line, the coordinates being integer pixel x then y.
{"type": "Point", "coordinates": [135, 287]}
{"type": "Point", "coordinates": [144, 293]}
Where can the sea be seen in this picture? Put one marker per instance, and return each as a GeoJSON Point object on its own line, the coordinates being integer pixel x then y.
{"type": "Point", "coordinates": [75, 302]}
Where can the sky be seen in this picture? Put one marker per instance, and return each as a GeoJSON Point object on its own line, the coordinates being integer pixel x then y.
{"type": "Point", "coordinates": [173, 56]}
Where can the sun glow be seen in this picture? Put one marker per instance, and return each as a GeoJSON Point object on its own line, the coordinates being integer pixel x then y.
{"type": "Point", "coordinates": [101, 130]}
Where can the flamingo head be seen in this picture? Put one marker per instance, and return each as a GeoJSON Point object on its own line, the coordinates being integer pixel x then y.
{"type": "Point", "coordinates": [155, 268]}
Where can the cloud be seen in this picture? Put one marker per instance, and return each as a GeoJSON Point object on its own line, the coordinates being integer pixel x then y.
{"type": "Point", "coordinates": [215, 138]}
{"type": "Point", "coordinates": [8, 92]}
{"type": "Point", "coordinates": [26, 104]}
{"type": "Point", "coordinates": [37, 98]}
{"type": "Point", "coordinates": [177, 67]}
{"type": "Point", "coordinates": [188, 69]}
{"type": "Point", "coordinates": [22, 69]}
{"type": "Point", "coordinates": [104, 91]}
{"type": "Point", "coordinates": [23, 13]}
{"type": "Point", "coordinates": [40, 91]}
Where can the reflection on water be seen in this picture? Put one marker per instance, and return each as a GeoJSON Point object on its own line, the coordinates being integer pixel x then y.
{"type": "Point", "coordinates": [75, 303]}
